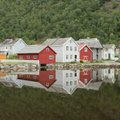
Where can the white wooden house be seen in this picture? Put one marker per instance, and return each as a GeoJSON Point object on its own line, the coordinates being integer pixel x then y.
{"type": "Point", "coordinates": [94, 45]}
{"type": "Point", "coordinates": [66, 49]}
{"type": "Point", "coordinates": [66, 81]}
{"type": "Point", "coordinates": [108, 52]}
{"type": "Point", "coordinates": [10, 46]}
{"type": "Point", "coordinates": [108, 75]}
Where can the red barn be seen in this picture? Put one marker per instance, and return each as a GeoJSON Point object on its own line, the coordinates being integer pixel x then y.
{"type": "Point", "coordinates": [86, 53]}
{"type": "Point", "coordinates": [46, 78]}
{"type": "Point", "coordinates": [45, 54]}
{"type": "Point", "coordinates": [85, 76]}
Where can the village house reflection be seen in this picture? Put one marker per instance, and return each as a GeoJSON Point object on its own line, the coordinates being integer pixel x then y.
{"type": "Point", "coordinates": [108, 75]}
{"type": "Point", "coordinates": [61, 81]}
{"type": "Point", "coordinates": [44, 79]}
{"type": "Point", "coordinates": [9, 80]}
{"type": "Point", "coordinates": [90, 79]}
{"type": "Point", "coordinates": [67, 81]}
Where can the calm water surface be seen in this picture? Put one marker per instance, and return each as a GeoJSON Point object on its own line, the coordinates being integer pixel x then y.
{"type": "Point", "coordinates": [60, 94]}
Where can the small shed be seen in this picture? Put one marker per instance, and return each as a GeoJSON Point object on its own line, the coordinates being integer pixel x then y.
{"type": "Point", "coordinates": [45, 54]}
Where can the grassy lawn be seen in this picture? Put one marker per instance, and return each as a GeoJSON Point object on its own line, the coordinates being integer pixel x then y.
{"type": "Point", "coordinates": [37, 104]}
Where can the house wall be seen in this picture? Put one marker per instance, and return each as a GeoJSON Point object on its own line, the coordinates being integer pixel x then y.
{"type": "Point", "coordinates": [85, 76]}
{"type": "Point", "coordinates": [86, 56]}
{"type": "Point", "coordinates": [2, 56]}
{"type": "Point", "coordinates": [108, 53]}
{"type": "Point", "coordinates": [25, 56]}
{"type": "Point", "coordinates": [108, 75]}
{"type": "Point", "coordinates": [43, 56]}
{"type": "Point", "coordinates": [69, 55]}
{"type": "Point", "coordinates": [97, 54]}
{"type": "Point", "coordinates": [59, 51]}
{"type": "Point", "coordinates": [97, 75]}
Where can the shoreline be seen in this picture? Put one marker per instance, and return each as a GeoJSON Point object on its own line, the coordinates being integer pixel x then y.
{"type": "Point", "coordinates": [60, 66]}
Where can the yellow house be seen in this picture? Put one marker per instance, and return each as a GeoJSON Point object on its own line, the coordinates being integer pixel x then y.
{"type": "Point", "coordinates": [2, 56]}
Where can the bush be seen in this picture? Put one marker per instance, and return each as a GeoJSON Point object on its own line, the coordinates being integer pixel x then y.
{"type": "Point", "coordinates": [81, 61]}
{"type": "Point", "coordinates": [12, 57]}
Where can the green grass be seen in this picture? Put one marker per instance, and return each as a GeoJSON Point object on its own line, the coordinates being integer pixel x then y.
{"type": "Point", "coordinates": [37, 104]}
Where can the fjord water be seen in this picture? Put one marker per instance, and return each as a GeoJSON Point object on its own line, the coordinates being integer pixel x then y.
{"type": "Point", "coordinates": [87, 94]}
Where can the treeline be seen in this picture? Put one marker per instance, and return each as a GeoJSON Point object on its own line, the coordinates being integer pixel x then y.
{"type": "Point", "coordinates": [36, 20]}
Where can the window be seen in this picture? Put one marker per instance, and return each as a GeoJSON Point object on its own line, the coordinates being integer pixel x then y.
{"type": "Point", "coordinates": [51, 76]}
{"type": "Point", "coordinates": [70, 74]}
{"type": "Point", "coordinates": [28, 56]}
{"type": "Point", "coordinates": [109, 71]}
{"type": "Point", "coordinates": [85, 81]}
{"type": "Point", "coordinates": [67, 48]}
{"type": "Point", "coordinates": [75, 48]}
{"type": "Point", "coordinates": [66, 56]}
{"type": "Point", "coordinates": [75, 74]}
{"type": "Point", "coordinates": [71, 48]}
{"type": "Point", "coordinates": [85, 49]}
{"type": "Point", "coordinates": [35, 77]}
{"type": "Point", "coordinates": [70, 41]}
{"type": "Point", "coordinates": [71, 56]}
{"type": "Point", "coordinates": [70, 82]}
{"type": "Point", "coordinates": [47, 49]}
{"type": "Point", "coordinates": [51, 57]}
{"type": "Point", "coordinates": [66, 83]}
{"type": "Point", "coordinates": [35, 56]}
{"type": "Point", "coordinates": [66, 74]}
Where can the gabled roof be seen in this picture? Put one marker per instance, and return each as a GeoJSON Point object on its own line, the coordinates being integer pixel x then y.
{"type": "Point", "coordinates": [9, 42]}
{"type": "Point", "coordinates": [56, 41]}
{"type": "Point", "coordinates": [91, 42]}
{"type": "Point", "coordinates": [33, 49]}
{"type": "Point", "coordinates": [108, 45]}
{"type": "Point", "coordinates": [82, 45]}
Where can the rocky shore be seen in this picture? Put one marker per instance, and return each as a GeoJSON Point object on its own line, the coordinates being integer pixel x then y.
{"type": "Point", "coordinates": [18, 67]}
{"type": "Point", "coordinates": [82, 66]}
{"type": "Point", "coordinates": [75, 66]}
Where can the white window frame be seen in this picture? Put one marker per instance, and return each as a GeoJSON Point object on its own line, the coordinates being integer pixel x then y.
{"type": "Point", "coordinates": [51, 76]}
{"type": "Point", "coordinates": [51, 57]}
{"type": "Point", "coordinates": [35, 57]}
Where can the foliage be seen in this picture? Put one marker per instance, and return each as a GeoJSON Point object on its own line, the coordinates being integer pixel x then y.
{"type": "Point", "coordinates": [41, 19]}
{"type": "Point", "coordinates": [12, 56]}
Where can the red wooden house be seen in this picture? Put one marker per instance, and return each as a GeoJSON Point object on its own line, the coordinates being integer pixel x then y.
{"type": "Point", "coordinates": [85, 76]}
{"type": "Point", "coordinates": [86, 53]}
{"type": "Point", "coordinates": [46, 78]}
{"type": "Point", "coordinates": [45, 54]}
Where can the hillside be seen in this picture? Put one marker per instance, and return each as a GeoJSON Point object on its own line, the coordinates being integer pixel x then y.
{"type": "Point", "coordinates": [41, 19]}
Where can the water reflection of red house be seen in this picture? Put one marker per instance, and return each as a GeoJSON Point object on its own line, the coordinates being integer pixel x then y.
{"type": "Point", "coordinates": [85, 76]}
{"type": "Point", "coordinates": [46, 78]}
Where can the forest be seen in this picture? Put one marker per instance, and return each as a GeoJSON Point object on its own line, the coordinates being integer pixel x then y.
{"type": "Point", "coordinates": [37, 20]}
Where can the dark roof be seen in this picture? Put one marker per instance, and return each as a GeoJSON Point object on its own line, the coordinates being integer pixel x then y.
{"type": "Point", "coordinates": [91, 42]}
